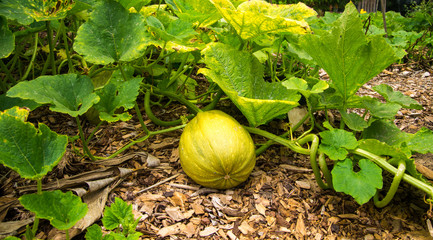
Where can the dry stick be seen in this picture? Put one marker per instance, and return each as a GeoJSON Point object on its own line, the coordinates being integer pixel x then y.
{"type": "Point", "coordinates": [158, 183]}
{"type": "Point", "coordinates": [183, 186]}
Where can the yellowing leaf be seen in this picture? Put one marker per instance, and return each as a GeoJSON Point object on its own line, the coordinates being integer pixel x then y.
{"type": "Point", "coordinates": [255, 18]}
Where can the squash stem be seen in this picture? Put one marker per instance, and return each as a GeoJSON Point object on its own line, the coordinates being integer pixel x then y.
{"type": "Point", "coordinates": [51, 46]}
{"type": "Point", "coordinates": [156, 120]}
{"type": "Point", "coordinates": [140, 118]}
{"type": "Point", "coordinates": [83, 140]}
{"type": "Point", "coordinates": [32, 60]}
{"type": "Point", "coordinates": [151, 133]}
{"type": "Point", "coordinates": [313, 156]}
{"type": "Point", "coordinates": [381, 162]}
{"type": "Point", "coordinates": [325, 170]}
{"type": "Point", "coordinates": [393, 189]}
{"type": "Point", "coordinates": [288, 143]}
{"type": "Point", "coordinates": [93, 132]}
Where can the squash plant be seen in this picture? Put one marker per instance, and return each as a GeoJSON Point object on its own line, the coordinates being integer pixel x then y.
{"type": "Point", "coordinates": [119, 53]}
{"type": "Point", "coordinates": [33, 153]}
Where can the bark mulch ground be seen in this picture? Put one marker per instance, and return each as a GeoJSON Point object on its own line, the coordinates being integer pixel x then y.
{"type": "Point", "coordinates": [279, 201]}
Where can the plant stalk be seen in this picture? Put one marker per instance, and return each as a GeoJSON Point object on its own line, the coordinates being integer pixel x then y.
{"type": "Point", "coordinates": [151, 133]}
{"type": "Point", "coordinates": [32, 60]}
{"type": "Point", "coordinates": [65, 41]}
{"type": "Point", "coordinates": [288, 143]}
{"type": "Point", "coordinates": [156, 120]}
{"type": "Point", "coordinates": [388, 167]}
{"type": "Point", "coordinates": [51, 46]}
{"type": "Point", "coordinates": [83, 140]}
{"type": "Point", "coordinates": [393, 189]}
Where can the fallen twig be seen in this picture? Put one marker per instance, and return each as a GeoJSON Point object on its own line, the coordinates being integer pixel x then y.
{"type": "Point", "coordinates": [159, 183]}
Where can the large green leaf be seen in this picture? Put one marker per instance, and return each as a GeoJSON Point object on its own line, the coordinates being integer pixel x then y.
{"type": "Point", "coordinates": [421, 141]}
{"type": "Point", "coordinates": [68, 93]}
{"type": "Point", "coordinates": [361, 185]}
{"type": "Point", "coordinates": [255, 18]}
{"type": "Point", "coordinates": [240, 76]}
{"type": "Point", "coordinates": [112, 34]}
{"type": "Point", "coordinates": [25, 11]}
{"type": "Point", "coordinates": [9, 102]}
{"type": "Point", "coordinates": [176, 30]}
{"type": "Point", "coordinates": [30, 152]}
{"type": "Point", "coordinates": [349, 56]}
{"type": "Point", "coordinates": [115, 96]}
{"type": "Point", "coordinates": [396, 97]}
{"type": "Point", "coordinates": [63, 210]}
{"type": "Point", "coordinates": [170, 32]}
{"type": "Point", "coordinates": [7, 39]}
{"type": "Point", "coordinates": [303, 87]}
{"type": "Point", "coordinates": [378, 109]}
{"type": "Point", "coordinates": [385, 131]}
{"type": "Point", "coordinates": [354, 121]}
{"type": "Point", "coordinates": [335, 143]}
{"type": "Point", "coordinates": [201, 13]}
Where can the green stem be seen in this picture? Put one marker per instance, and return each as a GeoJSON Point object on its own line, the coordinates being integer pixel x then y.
{"type": "Point", "coordinates": [160, 56]}
{"type": "Point", "coordinates": [8, 75]}
{"type": "Point", "coordinates": [67, 234]}
{"type": "Point", "coordinates": [156, 120]}
{"type": "Point", "coordinates": [122, 72]}
{"type": "Point", "coordinates": [51, 46]}
{"type": "Point", "coordinates": [83, 140]}
{"type": "Point", "coordinates": [214, 101]}
{"type": "Point", "coordinates": [288, 143]}
{"type": "Point", "coordinates": [313, 155]}
{"type": "Point", "coordinates": [140, 118]}
{"type": "Point", "coordinates": [381, 162]}
{"type": "Point", "coordinates": [181, 70]}
{"type": "Point", "coordinates": [93, 132]}
{"type": "Point", "coordinates": [193, 108]}
{"type": "Point", "coordinates": [65, 41]}
{"type": "Point", "coordinates": [393, 189]}
{"type": "Point", "coordinates": [151, 133]}
{"type": "Point", "coordinates": [36, 222]}
{"type": "Point", "coordinates": [325, 170]}
{"type": "Point", "coordinates": [269, 143]}
{"type": "Point", "coordinates": [29, 31]}
{"type": "Point", "coordinates": [30, 66]}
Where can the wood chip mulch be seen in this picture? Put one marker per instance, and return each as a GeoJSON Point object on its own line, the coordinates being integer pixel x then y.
{"type": "Point", "coordinates": [280, 200]}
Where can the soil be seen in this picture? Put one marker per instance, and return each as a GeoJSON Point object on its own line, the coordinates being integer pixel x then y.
{"type": "Point", "coordinates": [280, 200]}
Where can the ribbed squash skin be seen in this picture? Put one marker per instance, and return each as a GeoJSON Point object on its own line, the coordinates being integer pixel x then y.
{"type": "Point", "coordinates": [216, 151]}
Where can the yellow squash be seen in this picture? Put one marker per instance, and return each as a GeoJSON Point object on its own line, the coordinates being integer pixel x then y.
{"type": "Point", "coordinates": [216, 151]}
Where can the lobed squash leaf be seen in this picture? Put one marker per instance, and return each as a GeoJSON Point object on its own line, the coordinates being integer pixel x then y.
{"type": "Point", "coordinates": [396, 97]}
{"type": "Point", "coordinates": [354, 121]}
{"type": "Point", "coordinates": [349, 56]}
{"type": "Point", "coordinates": [63, 210]}
{"type": "Point", "coordinates": [336, 142]}
{"type": "Point", "coordinates": [200, 13]}
{"type": "Point", "coordinates": [29, 151]}
{"type": "Point", "coordinates": [26, 11]}
{"type": "Point", "coordinates": [120, 214]}
{"type": "Point", "coordinates": [68, 93]}
{"type": "Point", "coordinates": [117, 95]}
{"type": "Point", "coordinates": [252, 19]}
{"type": "Point", "coordinates": [112, 34]}
{"type": "Point", "coordinates": [361, 185]}
{"type": "Point", "coordinates": [421, 141]}
{"type": "Point", "coordinates": [378, 109]}
{"type": "Point", "coordinates": [240, 76]}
